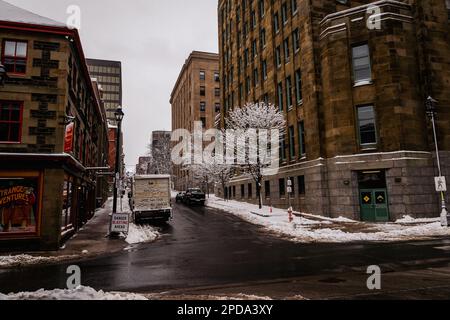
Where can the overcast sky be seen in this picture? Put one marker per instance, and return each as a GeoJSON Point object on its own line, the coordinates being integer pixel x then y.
{"type": "Point", "coordinates": [152, 38]}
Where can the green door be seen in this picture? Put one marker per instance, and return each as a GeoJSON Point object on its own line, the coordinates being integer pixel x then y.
{"type": "Point", "coordinates": [374, 205]}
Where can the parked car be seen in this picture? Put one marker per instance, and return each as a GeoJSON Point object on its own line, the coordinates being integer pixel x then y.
{"type": "Point", "coordinates": [195, 195]}
{"type": "Point", "coordinates": [180, 197]}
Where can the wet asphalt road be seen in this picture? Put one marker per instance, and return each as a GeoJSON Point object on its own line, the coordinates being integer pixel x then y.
{"type": "Point", "coordinates": [207, 247]}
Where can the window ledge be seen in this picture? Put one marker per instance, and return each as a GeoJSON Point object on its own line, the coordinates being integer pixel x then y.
{"type": "Point", "coordinates": [369, 148]}
{"type": "Point", "coordinates": [363, 83]}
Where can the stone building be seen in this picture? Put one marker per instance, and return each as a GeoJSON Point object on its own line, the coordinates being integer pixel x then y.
{"type": "Point", "coordinates": [352, 82]}
{"type": "Point", "coordinates": [53, 133]}
{"type": "Point", "coordinates": [195, 98]}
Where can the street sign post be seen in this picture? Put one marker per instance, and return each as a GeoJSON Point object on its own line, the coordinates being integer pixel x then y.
{"type": "Point", "coordinates": [441, 184]}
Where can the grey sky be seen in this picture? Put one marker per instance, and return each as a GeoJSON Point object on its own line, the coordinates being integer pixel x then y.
{"type": "Point", "coordinates": [152, 38]}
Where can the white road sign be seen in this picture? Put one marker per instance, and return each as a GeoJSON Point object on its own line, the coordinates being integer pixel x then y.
{"type": "Point", "coordinates": [120, 222]}
{"type": "Point", "coordinates": [441, 184]}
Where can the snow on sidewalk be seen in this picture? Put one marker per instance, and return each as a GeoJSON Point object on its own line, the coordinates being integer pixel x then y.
{"type": "Point", "coordinates": [81, 293]}
{"type": "Point", "coordinates": [28, 260]}
{"type": "Point", "coordinates": [315, 229]}
{"type": "Point", "coordinates": [141, 234]}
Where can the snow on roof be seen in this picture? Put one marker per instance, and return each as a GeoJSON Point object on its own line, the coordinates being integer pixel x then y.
{"type": "Point", "coordinates": [11, 13]}
{"type": "Point", "coordinates": [154, 176]}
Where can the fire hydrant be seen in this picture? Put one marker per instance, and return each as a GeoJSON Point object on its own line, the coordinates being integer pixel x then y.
{"type": "Point", "coordinates": [291, 216]}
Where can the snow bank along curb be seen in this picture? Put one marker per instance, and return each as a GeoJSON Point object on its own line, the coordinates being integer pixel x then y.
{"type": "Point", "coordinates": [308, 228]}
{"type": "Point", "coordinates": [141, 234]}
{"type": "Point", "coordinates": [23, 260]}
{"type": "Point", "coordinates": [81, 293]}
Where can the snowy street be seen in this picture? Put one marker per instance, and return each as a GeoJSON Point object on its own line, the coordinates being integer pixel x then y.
{"type": "Point", "coordinates": [205, 252]}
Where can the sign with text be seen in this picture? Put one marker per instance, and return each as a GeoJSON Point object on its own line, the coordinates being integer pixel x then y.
{"type": "Point", "coordinates": [68, 138]}
{"type": "Point", "coordinates": [120, 223]}
{"type": "Point", "coordinates": [441, 184]}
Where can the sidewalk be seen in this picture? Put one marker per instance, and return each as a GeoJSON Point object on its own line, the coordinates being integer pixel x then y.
{"type": "Point", "coordinates": [90, 241]}
{"type": "Point", "coordinates": [307, 228]}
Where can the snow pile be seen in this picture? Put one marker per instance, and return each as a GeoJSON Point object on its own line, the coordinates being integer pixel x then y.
{"type": "Point", "coordinates": [411, 220]}
{"type": "Point", "coordinates": [81, 293]}
{"type": "Point", "coordinates": [140, 234]}
{"type": "Point", "coordinates": [310, 228]}
{"type": "Point", "coordinates": [27, 260]}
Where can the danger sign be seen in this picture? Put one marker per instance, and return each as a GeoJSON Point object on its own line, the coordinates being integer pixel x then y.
{"type": "Point", "coordinates": [120, 223]}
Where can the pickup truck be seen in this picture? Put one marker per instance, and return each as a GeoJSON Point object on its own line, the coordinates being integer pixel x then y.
{"type": "Point", "coordinates": [151, 198]}
{"type": "Point", "coordinates": [195, 195]}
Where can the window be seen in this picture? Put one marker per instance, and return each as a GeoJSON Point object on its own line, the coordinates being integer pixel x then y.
{"type": "Point", "coordinates": [202, 91]}
{"type": "Point", "coordinates": [298, 87]}
{"type": "Point", "coordinates": [280, 96]}
{"type": "Point", "coordinates": [447, 3]}
{"type": "Point", "coordinates": [11, 121]}
{"type": "Point", "coordinates": [362, 71]}
{"type": "Point", "coordinates": [294, 7]}
{"type": "Point", "coordinates": [366, 124]}
{"type": "Point", "coordinates": [296, 40]}
{"type": "Point", "coordinates": [262, 36]}
{"type": "Point", "coordinates": [302, 138]}
{"type": "Point", "coordinates": [282, 187]}
{"type": "Point", "coordinates": [264, 69]}
{"type": "Point", "coordinates": [217, 107]}
{"type": "Point", "coordinates": [278, 56]}
{"type": "Point", "coordinates": [202, 106]}
{"type": "Point", "coordinates": [292, 142]}
{"type": "Point", "coordinates": [276, 23]}
{"type": "Point", "coordinates": [255, 77]}
{"type": "Point", "coordinates": [246, 58]}
{"type": "Point", "coordinates": [292, 185]}
{"type": "Point", "coordinates": [250, 191]}
{"type": "Point", "coordinates": [284, 13]}
{"type": "Point", "coordinates": [234, 191]}
{"type": "Point", "coordinates": [15, 56]}
{"type": "Point", "coordinates": [247, 85]}
{"type": "Point", "coordinates": [203, 120]}
{"type": "Point", "coordinates": [253, 14]}
{"type": "Point", "coordinates": [216, 77]}
{"type": "Point", "coordinates": [254, 49]}
{"type": "Point", "coordinates": [202, 75]}
{"type": "Point", "coordinates": [267, 189]}
{"type": "Point", "coordinates": [289, 92]}
{"type": "Point", "coordinates": [286, 50]}
{"type": "Point", "coordinates": [301, 185]}
{"type": "Point", "coordinates": [242, 191]}
{"type": "Point", "coordinates": [217, 92]}
{"type": "Point", "coordinates": [261, 8]}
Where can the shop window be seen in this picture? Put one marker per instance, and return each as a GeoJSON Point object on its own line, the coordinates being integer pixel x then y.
{"type": "Point", "coordinates": [66, 217]}
{"type": "Point", "coordinates": [19, 204]}
{"type": "Point", "coordinates": [14, 56]}
{"type": "Point", "coordinates": [10, 121]}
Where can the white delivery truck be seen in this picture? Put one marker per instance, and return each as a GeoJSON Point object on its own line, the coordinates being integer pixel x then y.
{"type": "Point", "coordinates": [151, 198]}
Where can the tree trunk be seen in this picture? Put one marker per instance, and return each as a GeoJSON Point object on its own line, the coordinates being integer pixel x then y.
{"type": "Point", "coordinates": [258, 192]}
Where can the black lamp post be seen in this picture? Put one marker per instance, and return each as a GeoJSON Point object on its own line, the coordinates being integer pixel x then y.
{"type": "Point", "coordinates": [3, 74]}
{"type": "Point", "coordinates": [431, 113]}
{"type": "Point", "coordinates": [119, 117]}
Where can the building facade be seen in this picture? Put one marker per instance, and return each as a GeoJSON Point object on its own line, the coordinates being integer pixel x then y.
{"type": "Point", "coordinates": [195, 98]}
{"type": "Point", "coordinates": [353, 88]}
{"type": "Point", "coordinates": [52, 133]}
{"type": "Point", "coordinates": [109, 76]}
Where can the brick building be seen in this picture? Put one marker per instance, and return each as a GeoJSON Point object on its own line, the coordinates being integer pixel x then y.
{"type": "Point", "coordinates": [53, 133]}
{"type": "Point", "coordinates": [358, 141]}
{"type": "Point", "coordinates": [195, 97]}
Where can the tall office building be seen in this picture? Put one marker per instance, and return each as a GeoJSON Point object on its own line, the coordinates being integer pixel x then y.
{"type": "Point", "coordinates": [353, 89]}
{"type": "Point", "coordinates": [195, 97]}
{"type": "Point", "coordinates": [109, 76]}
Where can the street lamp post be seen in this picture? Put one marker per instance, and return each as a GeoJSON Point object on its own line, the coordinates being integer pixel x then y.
{"type": "Point", "coordinates": [431, 113]}
{"type": "Point", "coordinates": [119, 117]}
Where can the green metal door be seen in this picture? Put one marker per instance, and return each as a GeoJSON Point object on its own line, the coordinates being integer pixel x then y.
{"type": "Point", "coordinates": [374, 205]}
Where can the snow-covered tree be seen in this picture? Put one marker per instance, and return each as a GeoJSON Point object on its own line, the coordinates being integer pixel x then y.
{"type": "Point", "coordinates": [160, 152]}
{"type": "Point", "coordinates": [212, 171]}
{"type": "Point", "coordinates": [257, 146]}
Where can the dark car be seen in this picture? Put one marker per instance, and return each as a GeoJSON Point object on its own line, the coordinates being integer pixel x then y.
{"type": "Point", "coordinates": [195, 195]}
{"type": "Point", "coordinates": [180, 197]}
